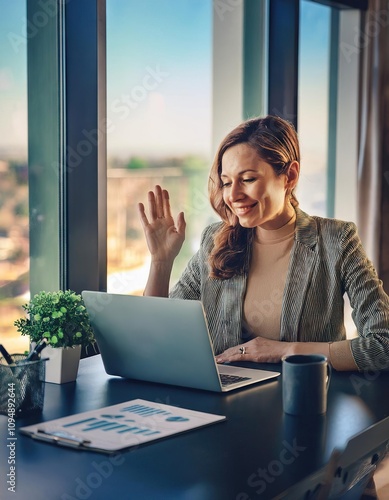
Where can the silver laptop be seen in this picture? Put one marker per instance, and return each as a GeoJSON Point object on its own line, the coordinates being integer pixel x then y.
{"type": "Point", "coordinates": [161, 340]}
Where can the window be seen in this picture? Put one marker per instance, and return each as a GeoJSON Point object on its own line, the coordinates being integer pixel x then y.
{"type": "Point", "coordinates": [159, 87]}
{"type": "Point", "coordinates": [328, 108]}
{"type": "Point", "coordinates": [14, 224]}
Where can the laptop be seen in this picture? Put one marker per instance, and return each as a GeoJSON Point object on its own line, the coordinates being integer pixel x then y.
{"type": "Point", "coordinates": [161, 340]}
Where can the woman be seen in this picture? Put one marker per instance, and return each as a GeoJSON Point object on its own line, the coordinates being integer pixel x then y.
{"type": "Point", "coordinates": [271, 278]}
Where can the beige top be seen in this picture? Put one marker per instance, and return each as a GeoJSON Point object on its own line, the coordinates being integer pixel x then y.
{"type": "Point", "coordinates": [266, 280]}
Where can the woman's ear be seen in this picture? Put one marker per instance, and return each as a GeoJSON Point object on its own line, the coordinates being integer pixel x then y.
{"type": "Point", "coordinates": [292, 175]}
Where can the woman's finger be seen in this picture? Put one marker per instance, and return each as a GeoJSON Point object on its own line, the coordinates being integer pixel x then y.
{"type": "Point", "coordinates": [181, 224]}
{"type": "Point", "coordinates": [142, 215]}
{"type": "Point", "coordinates": [166, 204]}
{"type": "Point", "coordinates": [231, 354]}
{"type": "Point", "coordinates": [152, 205]}
{"type": "Point", "coordinates": [159, 202]}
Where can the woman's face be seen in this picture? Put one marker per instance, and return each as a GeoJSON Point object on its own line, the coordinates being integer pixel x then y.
{"type": "Point", "coordinates": [252, 190]}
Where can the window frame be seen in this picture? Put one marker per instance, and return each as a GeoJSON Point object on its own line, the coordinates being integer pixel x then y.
{"type": "Point", "coordinates": [67, 164]}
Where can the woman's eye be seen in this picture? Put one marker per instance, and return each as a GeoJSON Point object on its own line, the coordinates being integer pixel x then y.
{"type": "Point", "coordinates": [249, 180]}
{"type": "Point", "coordinates": [226, 184]}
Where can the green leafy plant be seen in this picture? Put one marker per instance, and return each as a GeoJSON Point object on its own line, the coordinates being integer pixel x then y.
{"type": "Point", "coordinates": [60, 317]}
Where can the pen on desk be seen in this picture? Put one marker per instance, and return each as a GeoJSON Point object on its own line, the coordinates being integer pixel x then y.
{"type": "Point", "coordinates": [6, 355]}
{"type": "Point", "coordinates": [34, 354]}
{"type": "Point", "coordinates": [22, 370]}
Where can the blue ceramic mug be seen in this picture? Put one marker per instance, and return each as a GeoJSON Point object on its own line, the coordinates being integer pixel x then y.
{"type": "Point", "coordinates": [305, 381]}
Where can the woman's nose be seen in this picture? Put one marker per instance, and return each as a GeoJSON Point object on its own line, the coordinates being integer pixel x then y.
{"type": "Point", "coordinates": [236, 192]}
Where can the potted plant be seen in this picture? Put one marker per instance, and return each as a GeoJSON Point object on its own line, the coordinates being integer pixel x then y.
{"type": "Point", "coordinates": [62, 319]}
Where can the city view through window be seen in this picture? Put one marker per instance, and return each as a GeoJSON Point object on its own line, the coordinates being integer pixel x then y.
{"type": "Point", "coordinates": [14, 227]}
{"type": "Point", "coordinates": [159, 111]}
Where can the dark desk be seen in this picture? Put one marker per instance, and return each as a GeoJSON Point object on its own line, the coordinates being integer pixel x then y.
{"type": "Point", "coordinates": [256, 454]}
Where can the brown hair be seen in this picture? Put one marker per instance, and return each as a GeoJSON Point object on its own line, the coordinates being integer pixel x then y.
{"type": "Point", "coordinates": [275, 141]}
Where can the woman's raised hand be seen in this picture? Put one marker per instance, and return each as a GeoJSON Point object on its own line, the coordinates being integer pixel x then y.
{"type": "Point", "coordinates": [163, 237]}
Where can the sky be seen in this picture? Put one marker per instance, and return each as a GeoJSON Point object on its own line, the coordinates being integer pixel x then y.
{"type": "Point", "coordinates": [313, 96]}
{"type": "Point", "coordinates": [159, 57]}
{"type": "Point", "coordinates": [159, 76]}
{"type": "Point", "coordinates": [13, 75]}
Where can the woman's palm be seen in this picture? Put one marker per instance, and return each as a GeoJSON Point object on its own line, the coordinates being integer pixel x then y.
{"type": "Point", "coordinates": [163, 237]}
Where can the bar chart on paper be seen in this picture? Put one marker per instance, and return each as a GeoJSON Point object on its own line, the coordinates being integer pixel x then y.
{"type": "Point", "coordinates": [120, 426]}
{"type": "Point", "coordinates": [120, 422]}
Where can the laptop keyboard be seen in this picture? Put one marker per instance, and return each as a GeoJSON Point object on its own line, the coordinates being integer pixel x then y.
{"type": "Point", "coordinates": [231, 379]}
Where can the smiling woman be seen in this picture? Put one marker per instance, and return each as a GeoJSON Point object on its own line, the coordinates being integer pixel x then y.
{"type": "Point", "coordinates": [269, 275]}
{"type": "Point", "coordinates": [268, 148]}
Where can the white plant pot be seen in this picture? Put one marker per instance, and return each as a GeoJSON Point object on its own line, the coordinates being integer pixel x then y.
{"type": "Point", "coordinates": [62, 366]}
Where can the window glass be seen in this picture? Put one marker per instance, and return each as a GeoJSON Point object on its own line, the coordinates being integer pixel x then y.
{"type": "Point", "coordinates": [313, 107]}
{"type": "Point", "coordinates": [159, 125]}
{"type": "Point", "coordinates": [14, 227]}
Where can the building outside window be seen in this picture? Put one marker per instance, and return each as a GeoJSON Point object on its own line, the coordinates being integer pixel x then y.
{"type": "Point", "coordinates": [14, 223]}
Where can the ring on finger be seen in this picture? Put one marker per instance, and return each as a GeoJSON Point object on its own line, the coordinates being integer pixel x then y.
{"type": "Point", "coordinates": [242, 350]}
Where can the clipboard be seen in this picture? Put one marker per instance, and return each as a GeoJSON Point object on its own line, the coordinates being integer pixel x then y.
{"type": "Point", "coordinates": [116, 427]}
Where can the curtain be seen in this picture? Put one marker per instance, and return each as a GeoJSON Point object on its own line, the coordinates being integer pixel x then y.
{"type": "Point", "coordinates": [373, 158]}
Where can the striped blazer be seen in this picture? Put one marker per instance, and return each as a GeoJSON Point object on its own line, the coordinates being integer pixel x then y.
{"type": "Point", "coordinates": [327, 260]}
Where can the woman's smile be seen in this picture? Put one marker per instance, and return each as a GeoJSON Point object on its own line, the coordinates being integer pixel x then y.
{"type": "Point", "coordinates": [243, 210]}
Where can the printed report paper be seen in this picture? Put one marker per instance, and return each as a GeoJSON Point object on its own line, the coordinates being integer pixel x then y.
{"type": "Point", "coordinates": [120, 426]}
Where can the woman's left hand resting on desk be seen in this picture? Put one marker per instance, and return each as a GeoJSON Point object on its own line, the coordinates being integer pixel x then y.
{"type": "Point", "coordinates": [258, 350]}
{"type": "Point", "coordinates": [262, 350]}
